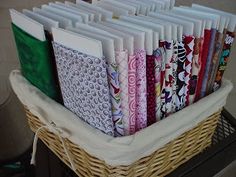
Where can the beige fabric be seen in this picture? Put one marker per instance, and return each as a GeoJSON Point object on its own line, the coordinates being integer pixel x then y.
{"type": "Point", "coordinates": [122, 150]}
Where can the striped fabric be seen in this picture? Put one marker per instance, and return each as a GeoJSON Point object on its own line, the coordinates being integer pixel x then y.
{"type": "Point", "coordinates": [216, 59]}
{"type": "Point", "coordinates": [208, 63]}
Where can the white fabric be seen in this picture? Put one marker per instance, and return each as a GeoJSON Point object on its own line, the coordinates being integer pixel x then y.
{"type": "Point", "coordinates": [120, 150]}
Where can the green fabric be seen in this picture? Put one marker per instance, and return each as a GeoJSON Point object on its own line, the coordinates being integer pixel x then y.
{"type": "Point", "coordinates": [37, 62]}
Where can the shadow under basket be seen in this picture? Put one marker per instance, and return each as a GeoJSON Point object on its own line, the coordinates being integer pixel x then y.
{"type": "Point", "coordinates": [159, 163]}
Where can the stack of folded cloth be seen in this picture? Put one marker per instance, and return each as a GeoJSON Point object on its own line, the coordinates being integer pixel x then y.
{"type": "Point", "coordinates": [123, 65]}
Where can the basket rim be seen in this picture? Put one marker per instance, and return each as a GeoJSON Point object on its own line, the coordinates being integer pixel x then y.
{"type": "Point", "coordinates": [114, 150]}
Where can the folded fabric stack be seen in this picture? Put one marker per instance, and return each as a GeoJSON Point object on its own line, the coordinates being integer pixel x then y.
{"type": "Point", "coordinates": [122, 65]}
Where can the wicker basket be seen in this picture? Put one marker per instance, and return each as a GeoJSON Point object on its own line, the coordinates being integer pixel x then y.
{"type": "Point", "coordinates": [160, 163]}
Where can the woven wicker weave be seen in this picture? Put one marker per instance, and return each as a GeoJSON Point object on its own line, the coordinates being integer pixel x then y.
{"type": "Point", "coordinates": [159, 163]}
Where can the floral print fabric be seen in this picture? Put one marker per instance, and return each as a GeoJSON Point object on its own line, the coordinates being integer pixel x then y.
{"type": "Point", "coordinates": [228, 42]}
{"type": "Point", "coordinates": [180, 91]}
{"type": "Point", "coordinates": [216, 59]}
{"type": "Point", "coordinates": [117, 115]}
{"type": "Point", "coordinates": [163, 66]}
{"type": "Point", "coordinates": [175, 76]}
{"type": "Point", "coordinates": [196, 65]}
{"type": "Point", "coordinates": [158, 53]}
{"type": "Point", "coordinates": [84, 85]}
{"type": "Point", "coordinates": [168, 77]}
{"type": "Point", "coordinates": [141, 90]}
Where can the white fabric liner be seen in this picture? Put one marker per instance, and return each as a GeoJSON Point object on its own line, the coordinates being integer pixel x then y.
{"type": "Point", "coordinates": [121, 150]}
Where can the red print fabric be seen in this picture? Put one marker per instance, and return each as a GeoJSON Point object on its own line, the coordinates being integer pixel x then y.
{"type": "Point", "coordinates": [163, 68]}
{"type": "Point", "coordinates": [205, 48]}
{"type": "Point", "coordinates": [188, 45]}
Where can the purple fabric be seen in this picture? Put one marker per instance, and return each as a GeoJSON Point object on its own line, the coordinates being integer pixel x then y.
{"type": "Point", "coordinates": [84, 85]}
{"type": "Point", "coordinates": [141, 90]}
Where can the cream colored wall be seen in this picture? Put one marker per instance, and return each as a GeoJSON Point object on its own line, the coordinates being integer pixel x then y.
{"type": "Point", "coordinates": [8, 56]}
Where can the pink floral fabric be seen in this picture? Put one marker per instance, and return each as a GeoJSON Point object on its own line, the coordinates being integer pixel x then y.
{"type": "Point", "coordinates": [141, 90]}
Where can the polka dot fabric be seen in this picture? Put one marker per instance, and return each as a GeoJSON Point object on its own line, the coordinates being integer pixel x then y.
{"type": "Point", "coordinates": [141, 90]}
{"type": "Point", "coordinates": [84, 85]}
{"type": "Point", "coordinates": [151, 96]}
